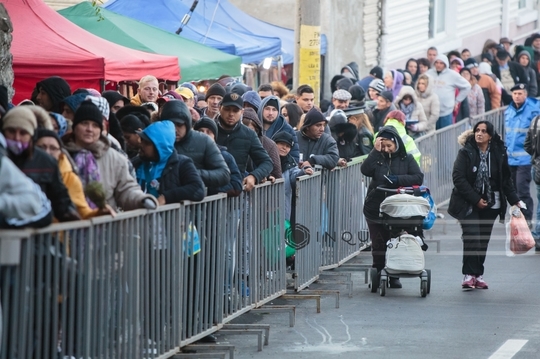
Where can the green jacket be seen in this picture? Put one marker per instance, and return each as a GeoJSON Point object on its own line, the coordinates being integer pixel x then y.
{"type": "Point", "coordinates": [408, 141]}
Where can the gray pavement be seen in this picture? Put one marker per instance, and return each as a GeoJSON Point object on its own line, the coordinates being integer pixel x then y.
{"type": "Point", "coordinates": [448, 323]}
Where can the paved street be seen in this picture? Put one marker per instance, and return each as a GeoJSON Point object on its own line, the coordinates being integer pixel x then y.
{"type": "Point", "coordinates": [448, 323]}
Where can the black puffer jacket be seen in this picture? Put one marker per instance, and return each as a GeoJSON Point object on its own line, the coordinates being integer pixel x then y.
{"type": "Point", "coordinates": [43, 170]}
{"type": "Point", "coordinates": [242, 143]}
{"type": "Point", "coordinates": [464, 176]}
{"type": "Point", "coordinates": [199, 147]}
{"type": "Point", "coordinates": [345, 135]}
{"type": "Point", "coordinates": [379, 164]}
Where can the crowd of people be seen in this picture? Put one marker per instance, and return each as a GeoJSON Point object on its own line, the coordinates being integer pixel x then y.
{"type": "Point", "coordinates": [82, 154]}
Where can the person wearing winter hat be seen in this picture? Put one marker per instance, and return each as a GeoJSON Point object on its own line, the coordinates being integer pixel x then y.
{"type": "Point", "coordinates": [509, 73]}
{"type": "Point", "coordinates": [148, 91]}
{"type": "Point", "coordinates": [397, 119]}
{"type": "Point", "coordinates": [492, 94]}
{"type": "Point", "coordinates": [51, 92]}
{"type": "Point", "coordinates": [340, 99]}
{"type": "Point", "coordinates": [161, 171]}
{"type": "Point", "coordinates": [253, 121]}
{"type": "Point", "coordinates": [451, 88]}
{"type": "Point", "coordinates": [209, 127]}
{"type": "Point", "coordinates": [115, 99]}
{"type": "Point", "coordinates": [350, 71]}
{"type": "Point", "coordinates": [388, 165]}
{"type": "Point", "coordinates": [393, 80]}
{"type": "Point", "coordinates": [214, 96]}
{"type": "Point", "coordinates": [316, 147]}
{"type": "Point", "coordinates": [201, 149]}
{"type": "Point", "coordinates": [384, 105]}
{"type": "Point", "coordinates": [252, 99]}
{"type": "Point", "coordinates": [375, 88]}
{"type": "Point", "coordinates": [241, 142]}
{"type": "Point", "coordinates": [273, 122]}
{"type": "Point", "coordinates": [59, 122]}
{"type": "Point", "coordinates": [19, 126]}
{"type": "Point", "coordinates": [70, 104]}
{"type": "Point", "coordinates": [358, 96]}
{"type": "Point", "coordinates": [50, 142]}
{"type": "Point", "coordinates": [524, 59]}
{"type": "Point", "coordinates": [345, 134]}
{"type": "Point", "coordinates": [344, 84]}
{"type": "Point", "coordinates": [97, 161]}
{"type": "Point", "coordinates": [374, 73]}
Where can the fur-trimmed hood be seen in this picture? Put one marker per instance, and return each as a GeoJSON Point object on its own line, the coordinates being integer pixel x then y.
{"type": "Point", "coordinates": [464, 137]}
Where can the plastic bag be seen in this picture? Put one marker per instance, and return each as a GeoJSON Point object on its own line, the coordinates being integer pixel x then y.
{"type": "Point", "coordinates": [519, 239]}
{"type": "Point", "coordinates": [429, 221]}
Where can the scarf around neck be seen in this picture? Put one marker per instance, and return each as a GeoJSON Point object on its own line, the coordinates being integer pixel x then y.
{"type": "Point", "coordinates": [482, 184]}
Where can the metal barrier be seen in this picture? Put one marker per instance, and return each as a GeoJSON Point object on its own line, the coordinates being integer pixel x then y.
{"type": "Point", "coordinates": [307, 229]}
{"type": "Point", "coordinates": [345, 231]}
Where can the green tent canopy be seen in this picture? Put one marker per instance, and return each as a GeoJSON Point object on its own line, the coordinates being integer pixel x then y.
{"type": "Point", "coordinates": [197, 62]}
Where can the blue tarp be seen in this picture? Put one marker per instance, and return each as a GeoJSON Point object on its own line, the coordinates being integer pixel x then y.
{"type": "Point", "coordinates": [168, 14]}
{"type": "Point", "coordinates": [231, 17]}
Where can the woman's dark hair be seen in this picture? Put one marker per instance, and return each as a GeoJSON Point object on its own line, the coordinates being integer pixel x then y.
{"type": "Point", "coordinates": [489, 127]}
{"type": "Point", "coordinates": [407, 66]}
{"type": "Point", "coordinates": [465, 69]}
{"type": "Point", "coordinates": [454, 53]}
{"type": "Point", "coordinates": [423, 61]}
{"type": "Point", "coordinates": [294, 113]}
{"type": "Point", "coordinates": [116, 131]}
{"type": "Point", "coordinates": [407, 96]}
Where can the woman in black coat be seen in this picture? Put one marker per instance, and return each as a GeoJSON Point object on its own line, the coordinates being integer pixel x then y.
{"type": "Point", "coordinates": [482, 185]}
{"type": "Point", "coordinates": [388, 165]}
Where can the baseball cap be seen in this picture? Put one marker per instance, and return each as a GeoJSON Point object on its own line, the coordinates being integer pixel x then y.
{"type": "Point", "coordinates": [185, 92]}
{"type": "Point", "coordinates": [233, 99]}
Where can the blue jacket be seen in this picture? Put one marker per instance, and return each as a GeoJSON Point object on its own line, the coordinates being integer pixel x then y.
{"type": "Point", "coordinates": [516, 125]}
{"type": "Point", "coordinates": [279, 125]}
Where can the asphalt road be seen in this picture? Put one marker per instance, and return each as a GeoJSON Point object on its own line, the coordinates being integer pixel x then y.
{"type": "Point", "coordinates": [501, 322]}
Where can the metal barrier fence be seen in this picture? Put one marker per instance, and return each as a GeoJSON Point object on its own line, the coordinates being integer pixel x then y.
{"type": "Point", "coordinates": [146, 283]}
{"type": "Point", "coordinates": [345, 232]}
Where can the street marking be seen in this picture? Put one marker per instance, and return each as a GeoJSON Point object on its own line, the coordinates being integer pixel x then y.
{"type": "Point", "coordinates": [509, 349]}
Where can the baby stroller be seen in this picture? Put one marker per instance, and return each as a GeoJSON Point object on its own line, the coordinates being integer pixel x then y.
{"type": "Point", "coordinates": [403, 213]}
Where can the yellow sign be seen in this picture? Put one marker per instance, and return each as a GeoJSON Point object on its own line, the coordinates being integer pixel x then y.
{"type": "Point", "coordinates": [309, 68]}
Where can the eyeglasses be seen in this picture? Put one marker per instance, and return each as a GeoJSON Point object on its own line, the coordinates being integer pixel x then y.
{"type": "Point", "coordinates": [49, 148]}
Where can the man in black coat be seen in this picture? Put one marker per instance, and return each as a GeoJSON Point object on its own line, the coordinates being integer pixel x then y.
{"type": "Point", "coordinates": [509, 72]}
{"type": "Point", "coordinates": [241, 142]}
{"type": "Point", "coordinates": [384, 106]}
{"type": "Point", "coordinates": [200, 148]}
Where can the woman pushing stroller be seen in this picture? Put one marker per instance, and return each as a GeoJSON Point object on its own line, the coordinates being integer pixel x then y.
{"type": "Point", "coordinates": [388, 165]}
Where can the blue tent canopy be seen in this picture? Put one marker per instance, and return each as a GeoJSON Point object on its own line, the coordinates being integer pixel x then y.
{"type": "Point", "coordinates": [168, 14]}
{"type": "Point", "coordinates": [230, 16]}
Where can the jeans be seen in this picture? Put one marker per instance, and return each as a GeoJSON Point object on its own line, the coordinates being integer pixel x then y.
{"type": "Point", "coordinates": [521, 175]}
{"type": "Point", "coordinates": [536, 229]}
{"type": "Point", "coordinates": [444, 121]}
{"type": "Point", "coordinates": [477, 228]}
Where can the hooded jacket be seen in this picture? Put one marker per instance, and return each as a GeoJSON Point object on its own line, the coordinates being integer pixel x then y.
{"type": "Point", "coordinates": [445, 85]}
{"type": "Point", "coordinates": [267, 143]}
{"type": "Point", "coordinates": [199, 147]}
{"type": "Point", "coordinates": [377, 165]}
{"type": "Point", "coordinates": [345, 134]}
{"type": "Point", "coordinates": [279, 125]}
{"type": "Point", "coordinates": [464, 176]}
{"type": "Point", "coordinates": [418, 112]}
{"type": "Point", "coordinates": [408, 141]}
{"type": "Point", "coordinates": [430, 103]}
{"type": "Point", "coordinates": [175, 175]}
{"type": "Point", "coordinates": [242, 143]}
{"type": "Point", "coordinates": [353, 69]}
{"type": "Point", "coordinates": [57, 88]}
{"type": "Point", "coordinates": [398, 82]}
{"type": "Point", "coordinates": [532, 85]}
{"type": "Point", "coordinates": [121, 189]}
{"type": "Point", "coordinates": [516, 124]}
{"type": "Point", "coordinates": [377, 117]}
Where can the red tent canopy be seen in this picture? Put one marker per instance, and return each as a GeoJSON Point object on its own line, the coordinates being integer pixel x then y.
{"type": "Point", "coordinates": [46, 44]}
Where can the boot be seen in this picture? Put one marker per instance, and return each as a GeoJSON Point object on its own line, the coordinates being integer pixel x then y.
{"type": "Point", "coordinates": [394, 282]}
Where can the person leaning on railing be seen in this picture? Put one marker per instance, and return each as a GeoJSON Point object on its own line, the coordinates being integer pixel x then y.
{"type": "Point", "coordinates": [98, 162]}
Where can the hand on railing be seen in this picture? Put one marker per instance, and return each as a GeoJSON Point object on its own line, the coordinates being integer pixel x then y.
{"type": "Point", "coordinates": [249, 183]}
{"type": "Point", "coordinates": [149, 204]}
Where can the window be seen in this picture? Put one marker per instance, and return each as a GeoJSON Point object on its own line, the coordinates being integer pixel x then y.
{"type": "Point", "coordinates": [523, 4]}
{"type": "Point", "coordinates": [527, 12]}
{"type": "Point", "coordinates": [437, 21]}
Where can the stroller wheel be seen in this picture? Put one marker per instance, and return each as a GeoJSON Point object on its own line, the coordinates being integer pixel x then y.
{"type": "Point", "coordinates": [423, 288]}
{"type": "Point", "coordinates": [375, 279]}
{"type": "Point", "coordinates": [428, 280]}
{"type": "Point", "coordinates": [382, 287]}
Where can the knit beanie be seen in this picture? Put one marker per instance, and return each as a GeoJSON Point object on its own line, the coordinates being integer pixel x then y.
{"type": "Point", "coordinates": [101, 104]}
{"type": "Point", "coordinates": [20, 117]}
{"type": "Point", "coordinates": [215, 90]}
{"type": "Point", "coordinates": [396, 115]}
{"type": "Point", "coordinates": [285, 137]}
{"type": "Point", "coordinates": [377, 85]}
{"type": "Point", "coordinates": [313, 116]}
{"type": "Point", "coordinates": [41, 132]}
{"type": "Point", "coordinates": [387, 95]}
{"type": "Point", "coordinates": [134, 122]}
{"type": "Point", "coordinates": [74, 101]}
{"type": "Point", "coordinates": [87, 111]}
{"type": "Point", "coordinates": [206, 122]}
{"type": "Point", "coordinates": [377, 71]}
{"type": "Point", "coordinates": [344, 84]}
